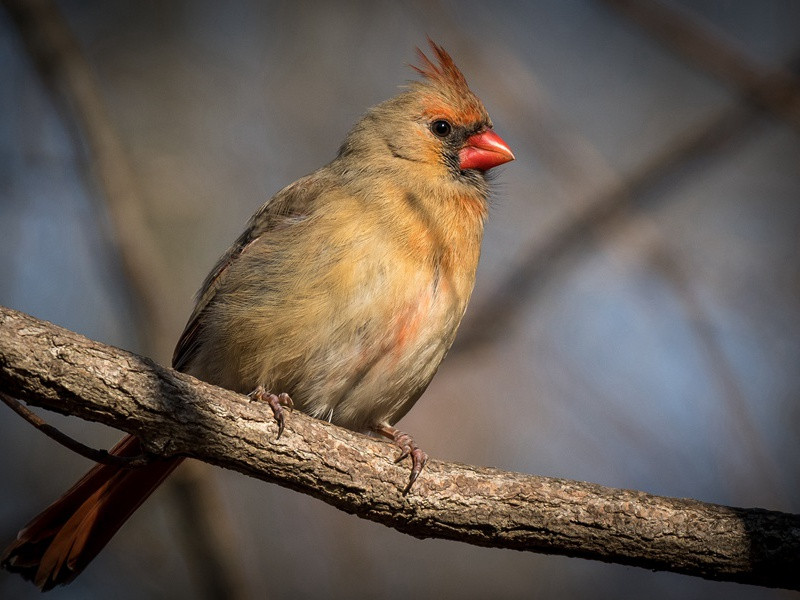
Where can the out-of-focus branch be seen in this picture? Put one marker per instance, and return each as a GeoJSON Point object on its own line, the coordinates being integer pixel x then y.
{"type": "Point", "coordinates": [641, 238]}
{"type": "Point", "coordinates": [771, 88]}
{"type": "Point", "coordinates": [66, 72]}
{"type": "Point", "coordinates": [177, 414]}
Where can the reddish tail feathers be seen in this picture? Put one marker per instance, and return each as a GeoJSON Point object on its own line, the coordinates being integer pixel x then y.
{"type": "Point", "coordinates": [58, 544]}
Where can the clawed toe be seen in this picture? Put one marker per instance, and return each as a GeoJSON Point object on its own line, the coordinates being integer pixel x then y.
{"type": "Point", "coordinates": [407, 448]}
{"type": "Point", "coordinates": [276, 402]}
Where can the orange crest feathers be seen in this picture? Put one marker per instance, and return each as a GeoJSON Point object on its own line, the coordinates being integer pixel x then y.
{"type": "Point", "coordinates": [445, 73]}
{"type": "Point", "coordinates": [449, 83]}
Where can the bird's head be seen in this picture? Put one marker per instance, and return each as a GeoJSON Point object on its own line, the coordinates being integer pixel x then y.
{"type": "Point", "coordinates": [436, 127]}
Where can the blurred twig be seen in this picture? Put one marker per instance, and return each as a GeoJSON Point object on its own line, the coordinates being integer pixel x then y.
{"type": "Point", "coordinates": [175, 414]}
{"type": "Point", "coordinates": [598, 198]}
{"type": "Point", "coordinates": [214, 544]}
{"type": "Point", "coordinates": [772, 88]}
{"type": "Point", "coordinates": [724, 376]}
{"type": "Point", "coordinates": [64, 69]}
{"type": "Point", "coordinates": [644, 240]}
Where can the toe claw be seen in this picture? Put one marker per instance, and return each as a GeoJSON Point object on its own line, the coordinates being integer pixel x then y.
{"type": "Point", "coordinates": [281, 424]}
{"type": "Point", "coordinates": [418, 461]}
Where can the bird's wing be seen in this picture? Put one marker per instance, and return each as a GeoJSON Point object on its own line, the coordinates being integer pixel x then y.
{"type": "Point", "coordinates": [289, 205]}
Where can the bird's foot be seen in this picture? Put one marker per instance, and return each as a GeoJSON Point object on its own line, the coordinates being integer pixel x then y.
{"type": "Point", "coordinates": [408, 447]}
{"type": "Point", "coordinates": [277, 402]}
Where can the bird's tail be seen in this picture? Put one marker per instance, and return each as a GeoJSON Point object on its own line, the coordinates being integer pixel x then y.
{"type": "Point", "coordinates": [60, 542]}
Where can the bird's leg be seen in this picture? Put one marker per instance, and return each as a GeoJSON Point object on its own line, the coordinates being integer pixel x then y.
{"type": "Point", "coordinates": [276, 402]}
{"type": "Point", "coordinates": [408, 447]}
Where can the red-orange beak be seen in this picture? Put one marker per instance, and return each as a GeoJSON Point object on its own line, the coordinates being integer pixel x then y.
{"type": "Point", "coordinates": [484, 151]}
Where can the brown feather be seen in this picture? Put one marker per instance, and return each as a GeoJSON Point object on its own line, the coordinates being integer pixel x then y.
{"type": "Point", "coordinates": [56, 546]}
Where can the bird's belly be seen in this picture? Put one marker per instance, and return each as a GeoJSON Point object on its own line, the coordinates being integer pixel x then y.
{"type": "Point", "coordinates": [379, 377]}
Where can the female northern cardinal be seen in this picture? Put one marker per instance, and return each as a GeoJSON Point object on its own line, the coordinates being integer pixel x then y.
{"type": "Point", "coordinates": [344, 292]}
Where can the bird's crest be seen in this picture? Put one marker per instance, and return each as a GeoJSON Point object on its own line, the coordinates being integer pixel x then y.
{"type": "Point", "coordinates": [448, 80]}
{"type": "Point", "coordinates": [446, 73]}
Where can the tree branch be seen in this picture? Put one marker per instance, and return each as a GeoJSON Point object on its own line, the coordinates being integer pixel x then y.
{"type": "Point", "coordinates": [173, 413]}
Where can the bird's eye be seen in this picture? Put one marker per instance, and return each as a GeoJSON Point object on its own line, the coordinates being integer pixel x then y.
{"type": "Point", "coordinates": [441, 128]}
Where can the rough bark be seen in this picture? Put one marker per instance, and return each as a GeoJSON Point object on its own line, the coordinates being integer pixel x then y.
{"type": "Point", "coordinates": [173, 413]}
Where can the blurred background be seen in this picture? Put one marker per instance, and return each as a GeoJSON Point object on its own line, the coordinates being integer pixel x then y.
{"type": "Point", "coordinates": [636, 319]}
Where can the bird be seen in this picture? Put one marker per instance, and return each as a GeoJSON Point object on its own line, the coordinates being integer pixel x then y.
{"type": "Point", "coordinates": [340, 299]}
